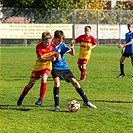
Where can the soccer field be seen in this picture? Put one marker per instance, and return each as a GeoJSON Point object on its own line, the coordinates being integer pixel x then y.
{"type": "Point", "coordinates": [112, 96]}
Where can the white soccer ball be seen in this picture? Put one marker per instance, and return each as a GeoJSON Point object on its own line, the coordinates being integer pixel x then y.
{"type": "Point", "coordinates": [73, 106]}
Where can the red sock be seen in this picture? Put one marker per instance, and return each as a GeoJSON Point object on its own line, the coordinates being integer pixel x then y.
{"type": "Point", "coordinates": [83, 74]}
{"type": "Point", "coordinates": [25, 91]}
{"type": "Point", "coordinates": [42, 91]}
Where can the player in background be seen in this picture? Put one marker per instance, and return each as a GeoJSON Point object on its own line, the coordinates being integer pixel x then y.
{"type": "Point", "coordinates": [127, 49]}
{"type": "Point", "coordinates": [60, 69]}
{"type": "Point", "coordinates": [42, 67]}
{"type": "Point", "coordinates": [87, 43]}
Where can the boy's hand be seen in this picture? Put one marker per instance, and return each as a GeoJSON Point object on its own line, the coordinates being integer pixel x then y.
{"type": "Point", "coordinates": [88, 47]}
{"type": "Point", "coordinates": [72, 45]}
{"type": "Point", "coordinates": [53, 58]}
{"type": "Point", "coordinates": [72, 41]}
{"type": "Point", "coordinates": [120, 46]}
{"type": "Point", "coordinates": [56, 54]}
{"type": "Point", "coordinates": [122, 51]}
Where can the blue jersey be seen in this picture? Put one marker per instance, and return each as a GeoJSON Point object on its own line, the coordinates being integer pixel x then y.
{"type": "Point", "coordinates": [128, 38]}
{"type": "Point", "coordinates": [61, 65]}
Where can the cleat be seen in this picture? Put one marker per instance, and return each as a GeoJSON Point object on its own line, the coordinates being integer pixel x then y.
{"type": "Point", "coordinates": [39, 103]}
{"type": "Point", "coordinates": [57, 108]}
{"type": "Point", "coordinates": [120, 76]}
{"type": "Point", "coordinates": [90, 105]}
{"type": "Point", "coordinates": [19, 102]}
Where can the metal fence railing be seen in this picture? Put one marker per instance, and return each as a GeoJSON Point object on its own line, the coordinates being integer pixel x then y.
{"type": "Point", "coordinates": [78, 18]}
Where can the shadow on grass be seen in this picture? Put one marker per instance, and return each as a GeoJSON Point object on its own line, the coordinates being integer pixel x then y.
{"type": "Point", "coordinates": [31, 107]}
{"type": "Point", "coordinates": [27, 108]}
{"type": "Point", "coordinates": [52, 110]}
{"type": "Point", "coordinates": [15, 107]}
{"type": "Point", "coordinates": [110, 101]}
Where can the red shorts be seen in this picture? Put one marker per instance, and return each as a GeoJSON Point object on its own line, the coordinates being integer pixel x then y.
{"type": "Point", "coordinates": [82, 61]}
{"type": "Point", "coordinates": [38, 74]}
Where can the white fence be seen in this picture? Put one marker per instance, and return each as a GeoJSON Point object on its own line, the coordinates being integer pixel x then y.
{"type": "Point", "coordinates": [108, 27]}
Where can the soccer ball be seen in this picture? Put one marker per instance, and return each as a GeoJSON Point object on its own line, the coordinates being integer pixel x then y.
{"type": "Point", "coordinates": [73, 106]}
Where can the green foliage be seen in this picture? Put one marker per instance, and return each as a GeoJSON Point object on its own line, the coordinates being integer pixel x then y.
{"type": "Point", "coordinates": [85, 16]}
{"type": "Point", "coordinates": [123, 5]}
{"type": "Point", "coordinates": [63, 11]}
{"type": "Point", "coordinates": [44, 4]}
{"type": "Point", "coordinates": [109, 17]}
{"type": "Point", "coordinates": [112, 96]}
{"type": "Point", "coordinates": [97, 4]}
{"type": "Point", "coordinates": [65, 4]}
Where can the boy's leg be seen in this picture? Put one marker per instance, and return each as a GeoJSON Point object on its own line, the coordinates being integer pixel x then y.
{"type": "Point", "coordinates": [121, 67]}
{"type": "Point", "coordinates": [56, 77]}
{"type": "Point", "coordinates": [56, 98]}
{"type": "Point", "coordinates": [25, 91]}
{"type": "Point", "coordinates": [42, 93]}
{"type": "Point", "coordinates": [84, 97]}
{"type": "Point", "coordinates": [80, 67]}
{"type": "Point", "coordinates": [83, 73]}
{"type": "Point", "coordinates": [81, 92]}
{"type": "Point", "coordinates": [42, 89]}
{"type": "Point", "coordinates": [132, 64]}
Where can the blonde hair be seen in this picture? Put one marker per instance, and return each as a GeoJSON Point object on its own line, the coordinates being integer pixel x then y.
{"type": "Point", "coordinates": [46, 35]}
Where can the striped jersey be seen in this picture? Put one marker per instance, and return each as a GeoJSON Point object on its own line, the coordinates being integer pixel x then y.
{"type": "Point", "coordinates": [61, 65]}
{"type": "Point", "coordinates": [44, 52]}
{"type": "Point", "coordinates": [85, 41]}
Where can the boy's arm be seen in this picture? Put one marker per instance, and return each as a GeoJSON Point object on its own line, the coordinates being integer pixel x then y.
{"type": "Point", "coordinates": [93, 46]}
{"type": "Point", "coordinates": [89, 47]}
{"type": "Point", "coordinates": [126, 44]}
{"type": "Point", "coordinates": [51, 58]}
{"type": "Point", "coordinates": [72, 52]}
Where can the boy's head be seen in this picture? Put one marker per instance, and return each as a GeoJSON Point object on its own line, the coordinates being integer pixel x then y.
{"type": "Point", "coordinates": [46, 38]}
{"type": "Point", "coordinates": [46, 35]}
{"type": "Point", "coordinates": [130, 27]}
{"type": "Point", "coordinates": [87, 30]}
{"type": "Point", "coordinates": [58, 37]}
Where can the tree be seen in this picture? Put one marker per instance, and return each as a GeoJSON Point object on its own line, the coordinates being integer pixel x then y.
{"type": "Point", "coordinates": [34, 8]}
{"type": "Point", "coordinates": [45, 4]}
{"type": "Point", "coordinates": [124, 5]}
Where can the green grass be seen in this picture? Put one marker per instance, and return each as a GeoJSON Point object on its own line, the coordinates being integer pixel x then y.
{"type": "Point", "coordinates": [112, 96]}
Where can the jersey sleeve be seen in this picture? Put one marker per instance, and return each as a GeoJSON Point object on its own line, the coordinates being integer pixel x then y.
{"type": "Point", "coordinates": [38, 50]}
{"type": "Point", "coordinates": [65, 49]}
{"type": "Point", "coordinates": [78, 39]}
{"type": "Point", "coordinates": [93, 41]}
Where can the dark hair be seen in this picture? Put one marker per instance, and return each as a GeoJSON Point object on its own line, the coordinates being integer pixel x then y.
{"type": "Point", "coordinates": [129, 24]}
{"type": "Point", "coordinates": [59, 34]}
{"type": "Point", "coordinates": [87, 27]}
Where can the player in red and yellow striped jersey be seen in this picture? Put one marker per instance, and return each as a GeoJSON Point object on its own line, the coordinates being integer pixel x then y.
{"type": "Point", "coordinates": [87, 43]}
{"type": "Point", "coordinates": [42, 67]}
